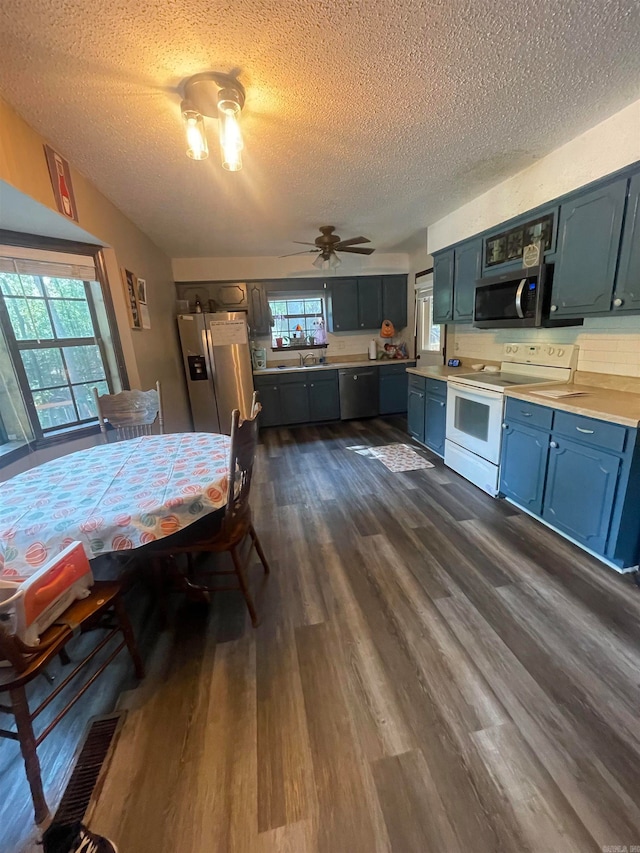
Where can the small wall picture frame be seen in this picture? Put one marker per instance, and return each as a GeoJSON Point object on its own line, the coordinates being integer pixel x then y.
{"type": "Point", "coordinates": [60, 175]}
{"type": "Point", "coordinates": [129, 282]}
{"type": "Point", "coordinates": [142, 291]}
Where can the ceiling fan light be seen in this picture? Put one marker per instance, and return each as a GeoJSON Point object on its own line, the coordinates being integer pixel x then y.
{"type": "Point", "coordinates": [334, 261]}
{"type": "Point", "coordinates": [197, 148]}
{"type": "Point", "coordinates": [319, 261]}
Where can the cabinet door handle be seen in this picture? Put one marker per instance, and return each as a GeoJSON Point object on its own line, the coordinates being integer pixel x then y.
{"type": "Point", "coordinates": [553, 444]}
{"type": "Point", "coordinates": [587, 431]}
{"type": "Point", "coordinates": [311, 386]}
{"type": "Point", "coordinates": [554, 307]}
{"type": "Point", "coordinates": [504, 426]}
{"type": "Point", "coordinates": [618, 302]}
{"type": "Point", "coordinates": [440, 403]}
{"type": "Point", "coordinates": [526, 414]}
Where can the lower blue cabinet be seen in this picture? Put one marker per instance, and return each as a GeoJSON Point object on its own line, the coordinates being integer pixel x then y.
{"type": "Point", "coordinates": [427, 411]}
{"type": "Point", "coordinates": [580, 474]}
{"type": "Point", "coordinates": [294, 403]}
{"type": "Point", "coordinates": [523, 465]}
{"type": "Point", "coordinates": [435, 422]}
{"type": "Point", "coordinates": [394, 381]}
{"type": "Point", "coordinates": [415, 408]}
{"type": "Point", "coordinates": [580, 491]}
{"type": "Point", "coordinates": [269, 398]}
{"type": "Point", "coordinates": [324, 398]}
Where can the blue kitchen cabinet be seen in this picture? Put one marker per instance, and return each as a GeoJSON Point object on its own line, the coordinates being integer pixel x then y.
{"type": "Point", "coordinates": [324, 395]}
{"type": "Point", "coordinates": [269, 398]}
{"type": "Point", "coordinates": [394, 301]}
{"type": "Point", "coordinates": [467, 268]}
{"type": "Point", "coordinates": [580, 491]}
{"type": "Point", "coordinates": [523, 464]}
{"type": "Point", "coordinates": [370, 302]}
{"type": "Point", "coordinates": [294, 402]}
{"type": "Point", "coordinates": [435, 418]}
{"type": "Point", "coordinates": [416, 407]}
{"type": "Point", "coordinates": [626, 296]}
{"type": "Point", "coordinates": [589, 234]}
{"type": "Point", "coordinates": [343, 313]}
{"type": "Point", "coordinates": [393, 388]}
{"type": "Point", "coordinates": [443, 266]}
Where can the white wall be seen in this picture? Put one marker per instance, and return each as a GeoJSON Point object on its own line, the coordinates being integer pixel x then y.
{"type": "Point", "coordinates": [610, 145]}
{"type": "Point", "coordinates": [300, 266]}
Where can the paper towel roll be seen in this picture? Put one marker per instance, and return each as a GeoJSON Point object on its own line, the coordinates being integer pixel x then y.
{"type": "Point", "coordinates": [373, 350]}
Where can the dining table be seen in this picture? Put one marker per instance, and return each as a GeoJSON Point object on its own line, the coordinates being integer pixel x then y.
{"type": "Point", "coordinates": [111, 497]}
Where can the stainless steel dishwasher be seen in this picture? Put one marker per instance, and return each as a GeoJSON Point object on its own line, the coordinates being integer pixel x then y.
{"type": "Point", "coordinates": [358, 392]}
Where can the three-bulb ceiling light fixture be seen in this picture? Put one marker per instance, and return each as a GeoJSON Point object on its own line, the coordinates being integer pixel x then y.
{"type": "Point", "coordinates": [218, 96]}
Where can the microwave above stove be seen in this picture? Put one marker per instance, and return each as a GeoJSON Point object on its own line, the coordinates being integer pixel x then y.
{"type": "Point", "coordinates": [516, 299]}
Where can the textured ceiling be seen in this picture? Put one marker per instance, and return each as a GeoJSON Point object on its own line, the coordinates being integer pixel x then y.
{"type": "Point", "coordinates": [378, 117]}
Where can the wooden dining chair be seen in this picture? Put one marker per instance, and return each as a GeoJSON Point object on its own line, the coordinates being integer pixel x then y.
{"type": "Point", "coordinates": [235, 528]}
{"type": "Point", "coordinates": [130, 414]}
{"type": "Point", "coordinates": [103, 608]}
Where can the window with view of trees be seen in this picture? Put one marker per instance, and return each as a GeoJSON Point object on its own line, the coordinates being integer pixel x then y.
{"type": "Point", "coordinates": [52, 334]}
{"type": "Point", "coordinates": [296, 319]}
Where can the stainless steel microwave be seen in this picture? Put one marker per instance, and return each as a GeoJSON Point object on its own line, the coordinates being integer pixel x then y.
{"type": "Point", "coordinates": [516, 299]}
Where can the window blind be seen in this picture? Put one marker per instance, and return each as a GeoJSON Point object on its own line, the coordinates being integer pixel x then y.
{"type": "Point", "coordinates": [53, 264]}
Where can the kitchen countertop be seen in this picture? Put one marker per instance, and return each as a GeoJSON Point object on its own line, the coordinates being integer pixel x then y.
{"type": "Point", "coordinates": [335, 365]}
{"type": "Point", "coordinates": [605, 404]}
{"type": "Point", "coordinates": [439, 371]}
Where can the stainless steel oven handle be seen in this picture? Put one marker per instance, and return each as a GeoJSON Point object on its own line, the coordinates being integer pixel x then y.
{"type": "Point", "coordinates": [519, 310]}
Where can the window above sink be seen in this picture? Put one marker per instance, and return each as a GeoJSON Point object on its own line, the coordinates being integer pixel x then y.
{"type": "Point", "coordinates": [299, 320]}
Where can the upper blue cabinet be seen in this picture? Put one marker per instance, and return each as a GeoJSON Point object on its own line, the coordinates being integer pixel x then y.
{"type": "Point", "coordinates": [589, 234]}
{"type": "Point", "coordinates": [455, 273]}
{"type": "Point", "coordinates": [591, 237]}
{"type": "Point", "coordinates": [626, 296]}
{"type": "Point", "coordinates": [467, 266]}
{"type": "Point", "coordinates": [443, 287]}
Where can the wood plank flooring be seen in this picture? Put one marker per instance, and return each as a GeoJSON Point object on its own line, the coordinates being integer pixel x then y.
{"type": "Point", "coordinates": [434, 671]}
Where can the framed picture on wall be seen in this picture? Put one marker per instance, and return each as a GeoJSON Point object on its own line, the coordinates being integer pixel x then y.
{"type": "Point", "coordinates": [130, 284]}
{"type": "Point", "coordinates": [142, 291]}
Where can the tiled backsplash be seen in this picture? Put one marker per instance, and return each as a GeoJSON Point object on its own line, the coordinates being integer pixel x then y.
{"type": "Point", "coordinates": [607, 344]}
{"type": "Point", "coordinates": [342, 344]}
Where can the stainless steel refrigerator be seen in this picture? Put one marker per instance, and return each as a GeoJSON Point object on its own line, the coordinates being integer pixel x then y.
{"type": "Point", "coordinates": [217, 364]}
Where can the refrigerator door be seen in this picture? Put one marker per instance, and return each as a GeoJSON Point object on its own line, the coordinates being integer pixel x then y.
{"type": "Point", "coordinates": [228, 341]}
{"type": "Point", "coordinates": [199, 372]}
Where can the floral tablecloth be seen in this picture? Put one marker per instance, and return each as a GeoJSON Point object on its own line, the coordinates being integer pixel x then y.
{"type": "Point", "coordinates": [111, 497]}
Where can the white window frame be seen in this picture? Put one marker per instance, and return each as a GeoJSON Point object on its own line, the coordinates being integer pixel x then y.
{"type": "Point", "coordinates": [424, 326]}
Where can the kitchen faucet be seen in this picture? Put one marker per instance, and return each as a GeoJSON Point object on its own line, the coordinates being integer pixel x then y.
{"type": "Point", "coordinates": [303, 358]}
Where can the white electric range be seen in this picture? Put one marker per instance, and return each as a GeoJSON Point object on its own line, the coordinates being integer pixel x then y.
{"type": "Point", "coordinates": [475, 405]}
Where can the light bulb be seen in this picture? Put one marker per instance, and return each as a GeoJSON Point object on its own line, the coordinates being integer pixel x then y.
{"type": "Point", "coordinates": [230, 135]}
{"type": "Point", "coordinates": [197, 147]}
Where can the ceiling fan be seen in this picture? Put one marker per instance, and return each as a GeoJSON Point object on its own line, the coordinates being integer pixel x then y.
{"type": "Point", "coordinates": [328, 244]}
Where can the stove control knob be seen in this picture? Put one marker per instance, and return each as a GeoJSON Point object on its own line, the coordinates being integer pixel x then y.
{"type": "Point", "coordinates": [551, 350]}
{"type": "Point", "coordinates": [560, 352]}
{"type": "Point", "coordinates": [509, 348]}
{"type": "Point", "coordinates": [514, 348]}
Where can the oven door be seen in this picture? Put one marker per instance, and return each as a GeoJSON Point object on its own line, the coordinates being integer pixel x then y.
{"type": "Point", "coordinates": [474, 419]}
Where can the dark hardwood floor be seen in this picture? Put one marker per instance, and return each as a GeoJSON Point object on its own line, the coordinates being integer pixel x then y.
{"type": "Point", "coordinates": [434, 671]}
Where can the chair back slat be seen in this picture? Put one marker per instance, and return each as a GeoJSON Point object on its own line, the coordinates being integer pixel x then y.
{"type": "Point", "coordinates": [242, 454]}
{"type": "Point", "coordinates": [130, 414]}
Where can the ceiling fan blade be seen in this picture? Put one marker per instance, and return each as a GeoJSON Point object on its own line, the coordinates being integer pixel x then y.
{"type": "Point", "coordinates": [355, 250]}
{"type": "Point", "coordinates": [304, 252]}
{"type": "Point", "coordinates": [351, 242]}
{"type": "Point", "coordinates": [302, 243]}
